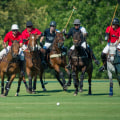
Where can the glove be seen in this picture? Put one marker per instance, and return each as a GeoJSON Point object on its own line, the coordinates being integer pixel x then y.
{"type": "Point", "coordinates": [41, 44]}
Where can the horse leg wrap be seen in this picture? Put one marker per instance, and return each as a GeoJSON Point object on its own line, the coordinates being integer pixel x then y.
{"type": "Point", "coordinates": [81, 80]}
{"type": "Point", "coordinates": [111, 89]}
{"type": "Point", "coordinates": [6, 85]}
{"type": "Point", "coordinates": [30, 83]}
{"type": "Point", "coordinates": [62, 77]}
{"type": "Point", "coordinates": [75, 80]}
{"type": "Point", "coordinates": [25, 84]}
{"type": "Point", "coordinates": [2, 89]}
{"type": "Point", "coordinates": [6, 93]}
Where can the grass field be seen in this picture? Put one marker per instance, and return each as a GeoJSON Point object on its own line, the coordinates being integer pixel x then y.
{"type": "Point", "coordinates": [42, 105]}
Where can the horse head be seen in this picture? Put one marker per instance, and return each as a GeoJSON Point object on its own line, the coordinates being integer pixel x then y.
{"type": "Point", "coordinates": [112, 52]}
{"type": "Point", "coordinates": [77, 39]}
{"type": "Point", "coordinates": [15, 48]}
{"type": "Point", "coordinates": [59, 40]}
{"type": "Point", "coordinates": [32, 44]}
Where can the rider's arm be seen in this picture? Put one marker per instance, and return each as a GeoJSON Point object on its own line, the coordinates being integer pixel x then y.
{"type": "Point", "coordinates": [70, 33]}
{"type": "Point", "coordinates": [41, 39]}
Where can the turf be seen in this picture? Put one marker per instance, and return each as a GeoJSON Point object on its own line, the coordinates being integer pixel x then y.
{"type": "Point", "coordinates": [42, 105]}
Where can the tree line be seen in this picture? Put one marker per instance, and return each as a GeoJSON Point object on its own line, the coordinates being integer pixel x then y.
{"type": "Point", "coordinates": [95, 16]}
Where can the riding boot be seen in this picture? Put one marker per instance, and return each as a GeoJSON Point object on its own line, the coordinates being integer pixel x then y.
{"type": "Point", "coordinates": [69, 59]}
{"type": "Point", "coordinates": [93, 56]}
{"type": "Point", "coordinates": [22, 68]}
{"type": "Point", "coordinates": [104, 60]}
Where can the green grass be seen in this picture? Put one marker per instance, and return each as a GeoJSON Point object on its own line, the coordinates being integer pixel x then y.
{"type": "Point", "coordinates": [42, 105]}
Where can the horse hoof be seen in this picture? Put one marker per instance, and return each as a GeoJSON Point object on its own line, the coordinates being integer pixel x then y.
{"type": "Point", "coordinates": [110, 95]}
{"type": "Point", "coordinates": [68, 84]}
{"type": "Point", "coordinates": [80, 90]}
{"type": "Point", "coordinates": [75, 94]}
{"type": "Point", "coordinates": [2, 95]}
{"type": "Point", "coordinates": [65, 88]}
{"type": "Point", "coordinates": [28, 91]}
{"type": "Point", "coordinates": [33, 92]}
{"type": "Point", "coordinates": [44, 89]}
{"type": "Point", "coordinates": [16, 94]}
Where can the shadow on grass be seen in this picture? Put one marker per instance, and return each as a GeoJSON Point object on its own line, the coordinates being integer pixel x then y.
{"type": "Point", "coordinates": [99, 94]}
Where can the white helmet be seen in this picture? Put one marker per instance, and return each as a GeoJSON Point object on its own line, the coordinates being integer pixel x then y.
{"type": "Point", "coordinates": [14, 27]}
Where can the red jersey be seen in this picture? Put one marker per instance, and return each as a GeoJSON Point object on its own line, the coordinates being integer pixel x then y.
{"type": "Point", "coordinates": [113, 34]}
{"type": "Point", "coordinates": [26, 35]}
{"type": "Point", "coordinates": [9, 36]}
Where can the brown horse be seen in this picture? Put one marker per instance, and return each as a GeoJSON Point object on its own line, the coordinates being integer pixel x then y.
{"type": "Point", "coordinates": [57, 59]}
{"type": "Point", "coordinates": [80, 62]}
{"type": "Point", "coordinates": [9, 65]}
{"type": "Point", "coordinates": [33, 63]}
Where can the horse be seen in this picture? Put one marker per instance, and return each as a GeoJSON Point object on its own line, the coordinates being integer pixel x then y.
{"type": "Point", "coordinates": [33, 63]}
{"type": "Point", "coordinates": [113, 64]}
{"type": "Point", "coordinates": [80, 62]}
{"type": "Point", "coordinates": [9, 65]}
{"type": "Point", "coordinates": [56, 59]}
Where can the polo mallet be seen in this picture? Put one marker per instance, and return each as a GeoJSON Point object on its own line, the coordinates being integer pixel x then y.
{"type": "Point", "coordinates": [70, 17]}
{"type": "Point", "coordinates": [114, 14]}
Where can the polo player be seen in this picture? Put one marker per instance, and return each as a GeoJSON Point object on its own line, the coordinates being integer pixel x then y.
{"type": "Point", "coordinates": [14, 34]}
{"type": "Point", "coordinates": [77, 27]}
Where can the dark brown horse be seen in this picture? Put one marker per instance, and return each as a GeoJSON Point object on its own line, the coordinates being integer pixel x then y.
{"type": "Point", "coordinates": [56, 59]}
{"type": "Point", "coordinates": [80, 62]}
{"type": "Point", "coordinates": [33, 63]}
{"type": "Point", "coordinates": [9, 65]}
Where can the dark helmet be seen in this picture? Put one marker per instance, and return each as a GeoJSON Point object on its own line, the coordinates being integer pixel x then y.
{"type": "Point", "coordinates": [77, 21]}
{"type": "Point", "coordinates": [53, 23]}
{"type": "Point", "coordinates": [115, 21]}
{"type": "Point", "coordinates": [29, 23]}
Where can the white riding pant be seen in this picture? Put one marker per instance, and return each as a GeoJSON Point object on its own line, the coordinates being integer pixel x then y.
{"type": "Point", "coordinates": [106, 49]}
{"type": "Point", "coordinates": [7, 49]}
{"type": "Point", "coordinates": [84, 45]}
{"type": "Point", "coordinates": [47, 45]}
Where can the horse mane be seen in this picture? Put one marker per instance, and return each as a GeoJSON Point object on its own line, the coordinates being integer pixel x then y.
{"type": "Point", "coordinates": [54, 45]}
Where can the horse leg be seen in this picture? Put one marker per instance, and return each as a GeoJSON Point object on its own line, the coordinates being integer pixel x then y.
{"type": "Point", "coordinates": [89, 81]}
{"type": "Point", "coordinates": [41, 80]}
{"type": "Point", "coordinates": [111, 83]}
{"type": "Point", "coordinates": [69, 77]}
{"type": "Point", "coordinates": [9, 84]}
{"type": "Point", "coordinates": [82, 78]}
{"type": "Point", "coordinates": [76, 82]}
{"type": "Point", "coordinates": [28, 71]}
{"type": "Point", "coordinates": [18, 88]}
{"type": "Point", "coordinates": [34, 83]}
{"type": "Point", "coordinates": [59, 75]}
{"type": "Point", "coordinates": [118, 79]}
{"type": "Point", "coordinates": [2, 83]}
{"type": "Point", "coordinates": [58, 78]}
